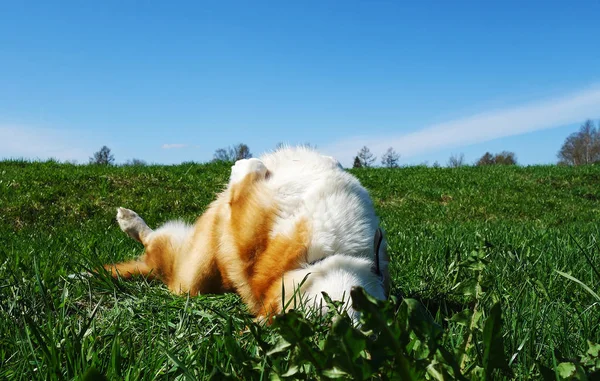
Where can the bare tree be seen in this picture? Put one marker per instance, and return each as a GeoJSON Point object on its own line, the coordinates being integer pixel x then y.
{"type": "Point", "coordinates": [357, 163]}
{"type": "Point", "coordinates": [102, 157]}
{"type": "Point", "coordinates": [456, 161]}
{"type": "Point", "coordinates": [366, 157]}
{"type": "Point", "coordinates": [242, 151]}
{"type": "Point", "coordinates": [224, 154]}
{"type": "Point", "coordinates": [232, 153]}
{"type": "Point", "coordinates": [582, 147]}
{"type": "Point", "coordinates": [390, 158]}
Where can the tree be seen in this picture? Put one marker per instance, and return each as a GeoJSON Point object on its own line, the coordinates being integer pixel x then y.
{"type": "Point", "coordinates": [486, 159]}
{"type": "Point", "coordinates": [456, 161]}
{"type": "Point", "coordinates": [223, 154]}
{"type": "Point", "coordinates": [103, 157]}
{"type": "Point", "coordinates": [357, 163]}
{"type": "Point", "coordinates": [366, 157]}
{"type": "Point", "coordinates": [505, 158]}
{"type": "Point", "coordinates": [233, 153]}
{"type": "Point", "coordinates": [242, 151]}
{"type": "Point", "coordinates": [502, 158]}
{"type": "Point", "coordinates": [582, 147]}
{"type": "Point", "coordinates": [136, 162]}
{"type": "Point", "coordinates": [390, 158]}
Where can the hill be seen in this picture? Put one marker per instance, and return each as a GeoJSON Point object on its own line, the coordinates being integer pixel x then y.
{"type": "Point", "coordinates": [460, 239]}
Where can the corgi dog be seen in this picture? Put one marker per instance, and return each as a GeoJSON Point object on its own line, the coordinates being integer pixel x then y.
{"type": "Point", "coordinates": [288, 226]}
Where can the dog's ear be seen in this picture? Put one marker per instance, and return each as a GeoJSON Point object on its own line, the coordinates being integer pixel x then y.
{"type": "Point", "coordinates": [382, 259]}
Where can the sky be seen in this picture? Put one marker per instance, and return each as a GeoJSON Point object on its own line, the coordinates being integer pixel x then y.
{"type": "Point", "coordinates": [168, 82]}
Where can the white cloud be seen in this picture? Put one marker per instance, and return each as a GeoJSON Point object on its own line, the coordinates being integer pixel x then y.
{"type": "Point", "coordinates": [573, 108]}
{"type": "Point", "coordinates": [173, 146]}
{"type": "Point", "coordinates": [40, 143]}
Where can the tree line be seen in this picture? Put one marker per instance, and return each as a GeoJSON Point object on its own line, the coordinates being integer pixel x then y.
{"type": "Point", "coordinates": [579, 148]}
{"type": "Point", "coordinates": [390, 159]}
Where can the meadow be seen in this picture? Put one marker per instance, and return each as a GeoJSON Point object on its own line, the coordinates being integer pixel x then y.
{"type": "Point", "coordinates": [495, 275]}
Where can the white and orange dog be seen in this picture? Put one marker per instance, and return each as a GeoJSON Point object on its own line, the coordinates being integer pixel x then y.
{"type": "Point", "coordinates": [292, 220]}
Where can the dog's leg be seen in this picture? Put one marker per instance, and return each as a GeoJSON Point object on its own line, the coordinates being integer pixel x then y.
{"type": "Point", "coordinates": [133, 225]}
{"type": "Point", "coordinates": [244, 174]}
{"type": "Point", "coordinates": [136, 228]}
{"type": "Point", "coordinates": [247, 167]}
{"type": "Point", "coordinates": [128, 269]}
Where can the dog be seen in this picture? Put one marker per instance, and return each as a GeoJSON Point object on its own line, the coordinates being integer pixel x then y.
{"type": "Point", "coordinates": [288, 227]}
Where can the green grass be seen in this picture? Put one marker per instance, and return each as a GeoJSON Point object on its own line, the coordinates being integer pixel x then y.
{"type": "Point", "coordinates": [460, 239]}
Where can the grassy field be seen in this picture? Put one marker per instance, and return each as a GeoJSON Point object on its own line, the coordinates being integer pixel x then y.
{"type": "Point", "coordinates": [467, 243]}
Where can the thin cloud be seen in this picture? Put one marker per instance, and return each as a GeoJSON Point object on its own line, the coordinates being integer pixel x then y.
{"type": "Point", "coordinates": [174, 146]}
{"type": "Point", "coordinates": [573, 108]}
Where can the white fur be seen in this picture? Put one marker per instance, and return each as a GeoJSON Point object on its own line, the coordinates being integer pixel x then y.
{"type": "Point", "coordinates": [178, 230]}
{"type": "Point", "coordinates": [311, 187]}
{"type": "Point", "coordinates": [131, 223]}
{"type": "Point", "coordinates": [243, 167]}
{"type": "Point", "coordinates": [335, 275]}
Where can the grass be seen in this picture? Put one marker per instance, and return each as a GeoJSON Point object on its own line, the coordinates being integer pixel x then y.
{"type": "Point", "coordinates": [462, 242]}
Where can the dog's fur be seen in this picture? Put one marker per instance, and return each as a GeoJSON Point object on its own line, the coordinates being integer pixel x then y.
{"type": "Point", "coordinates": [293, 220]}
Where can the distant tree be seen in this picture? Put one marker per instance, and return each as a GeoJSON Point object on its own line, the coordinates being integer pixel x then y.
{"type": "Point", "coordinates": [436, 164]}
{"type": "Point", "coordinates": [233, 153]}
{"type": "Point", "coordinates": [242, 151]}
{"type": "Point", "coordinates": [502, 158]}
{"type": "Point", "coordinates": [505, 158]}
{"type": "Point", "coordinates": [582, 147]}
{"type": "Point", "coordinates": [224, 154]}
{"type": "Point", "coordinates": [103, 157]}
{"type": "Point", "coordinates": [136, 162]}
{"type": "Point", "coordinates": [456, 161]}
{"type": "Point", "coordinates": [357, 163]}
{"type": "Point", "coordinates": [486, 159]}
{"type": "Point", "coordinates": [390, 158]}
{"type": "Point", "coordinates": [366, 157]}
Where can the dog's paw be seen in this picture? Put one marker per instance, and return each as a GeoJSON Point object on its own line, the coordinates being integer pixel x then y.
{"type": "Point", "coordinates": [129, 221]}
{"type": "Point", "coordinates": [244, 167]}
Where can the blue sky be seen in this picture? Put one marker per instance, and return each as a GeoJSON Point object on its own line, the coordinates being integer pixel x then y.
{"type": "Point", "coordinates": [168, 83]}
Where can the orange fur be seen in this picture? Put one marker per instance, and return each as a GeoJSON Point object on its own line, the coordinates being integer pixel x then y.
{"type": "Point", "coordinates": [129, 269]}
{"type": "Point", "coordinates": [236, 252]}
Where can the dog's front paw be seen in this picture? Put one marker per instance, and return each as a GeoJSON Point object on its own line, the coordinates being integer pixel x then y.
{"type": "Point", "coordinates": [244, 167]}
